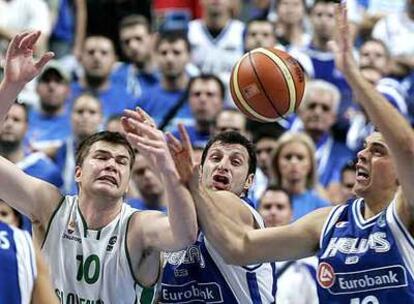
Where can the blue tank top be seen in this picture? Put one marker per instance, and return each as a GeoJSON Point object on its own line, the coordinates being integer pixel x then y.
{"type": "Point", "coordinates": [198, 274]}
{"type": "Point", "coordinates": [365, 261]}
{"type": "Point", "coordinates": [17, 265]}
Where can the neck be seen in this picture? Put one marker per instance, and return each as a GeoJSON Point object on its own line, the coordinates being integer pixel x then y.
{"type": "Point", "coordinates": [12, 151]}
{"type": "Point", "coordinates": [154, 201]}
{"type": "Point", "coordinates": [96, 83]}
{"type": "Point", "coordinates": [315, 135]}
{"type": "Point", "coordinates": [217, 22]}
{"type": "Point", "coordinates": [175, 83]}
{"type": "Point", "coordinates": [98, 211]}
{"type": "Point", "coordinates": [51, 110]}
{"type": "Point", "coordinates": [292, 33]}
{"type": "Point", "coordinates": [377, 202]}
{"type": "Point", "coordinates": [320, 43]}
{"type": "Point", "coordinates": [294, 186]}
{"type": "Point", "coordinates": [144, 66]}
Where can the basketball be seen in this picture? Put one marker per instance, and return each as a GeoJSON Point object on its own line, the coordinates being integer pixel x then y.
{"type": "Point", "coordinates": [267, 84]}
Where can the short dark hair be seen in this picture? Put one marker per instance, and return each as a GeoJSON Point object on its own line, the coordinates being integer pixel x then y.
{"type": "Point", "coordinates": [24, 107]}
{"type": "Point", "coordinates": [275, 188]}
{"type": "Point", "coordinates": [172, 37]}
{"type": "Point", "coordinates": [106, 136]}
{"type": "Point", "coordinates": [232, 137]}
{"type": "Point", "coordinates": [133, 20]}
{"type": "Point", "coordinates": [207, 77]}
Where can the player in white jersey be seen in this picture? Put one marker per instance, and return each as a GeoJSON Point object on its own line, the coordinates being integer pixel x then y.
{"type": "Point", "coordinates": [366, 246]}
{"type": "Point", "coordinates": [216, 39]}
{"type": "Point", "coordinates": [100, 250]}
{"type": "Point", "coordinates": [23, 275]}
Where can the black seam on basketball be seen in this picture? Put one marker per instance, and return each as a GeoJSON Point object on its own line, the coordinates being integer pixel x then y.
{"type": "Point", "coordinates": [269, 100]}
{"type": "Point", "coordinates": [284, 80]}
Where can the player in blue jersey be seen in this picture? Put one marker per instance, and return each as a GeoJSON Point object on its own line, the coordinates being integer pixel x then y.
{"type": "Point", "coordinates": [23, 274]}
{"type": "Point", "coordinates": [365, 247]}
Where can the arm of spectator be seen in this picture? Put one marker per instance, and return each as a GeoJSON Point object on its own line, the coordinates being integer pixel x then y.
{"type": "Point", "coordinates": [394, 128]}
{"type": "Point", "coordinates": [80, 29]}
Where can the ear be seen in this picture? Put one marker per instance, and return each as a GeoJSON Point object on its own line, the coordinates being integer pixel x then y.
{"type": "Point", "coordinates": [249, 181]}
{"type": "Point", "coordinates": [78, 174]}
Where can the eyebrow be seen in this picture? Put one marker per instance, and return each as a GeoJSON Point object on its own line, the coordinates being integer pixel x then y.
{"type": "Point", "coordinates": [100, 151]}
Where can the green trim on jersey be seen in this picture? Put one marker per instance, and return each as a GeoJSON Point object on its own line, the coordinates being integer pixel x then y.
{"type": "Point", "coordinates": [84, 224]}
{"type": "Point", "coordinates": [51, 219]}
{"type": "Point", "coordinates": [147, 295]}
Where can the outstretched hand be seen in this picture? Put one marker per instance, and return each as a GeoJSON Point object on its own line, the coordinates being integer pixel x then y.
{"type": "Point", "coordinates": [150, 142]}
{"type": "Point", "coordinates": [20, 66]}
{"type": "Point", "coordinates": [342, 45]}
{"type": "Point", "coordinates": [182, 154]}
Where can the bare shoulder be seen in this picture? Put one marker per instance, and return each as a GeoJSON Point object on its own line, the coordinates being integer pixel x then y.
{"type": "Point", "coordinates": [236, 205]}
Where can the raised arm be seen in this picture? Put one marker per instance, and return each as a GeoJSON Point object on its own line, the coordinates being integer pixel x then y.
{"type": "Point", "coordinates": [31, 196]}
{"type": "Point", "coordinates": [395, 129]}
{"type": "Point", "coordinates": [179, 229]}
{"type": "Point", "coordinates": [241, 244]}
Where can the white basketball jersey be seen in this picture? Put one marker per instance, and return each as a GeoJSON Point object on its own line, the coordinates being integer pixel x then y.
{"type": "Point", "coordinates": [216, 55]}
{"type": "Point", "coordinates": [89, 266]}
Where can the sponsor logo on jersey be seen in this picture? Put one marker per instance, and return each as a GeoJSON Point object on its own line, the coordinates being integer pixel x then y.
{"type": "Point", "coordinates": [341, 224]}
{"type": "Point", "coordinates": [326, 275]}
{"type": "Point", "coordinates": [351, 260]}
{"type": "Point", "coordinates": [71, 226]}
{"type": "Point", "coordinates": [111, 243]}
{"type": "Point", "coordinates": [71, 237]}
{"type": "Point", "coordinates": [376, 241]}
{"type": "Point", "coordinates": [191, 292]}
{"type": "Point", "coordinates": [189, 256]}
{"type": "Point", "coordinates": [394, 276]}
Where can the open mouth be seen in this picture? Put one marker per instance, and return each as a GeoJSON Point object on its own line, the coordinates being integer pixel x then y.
{"type": "Point", "coordinates": [221, 182]}
{"type": "Point", "coordinates": [110, 179]}
{"type": "Point", "coordinates": [362, 174]}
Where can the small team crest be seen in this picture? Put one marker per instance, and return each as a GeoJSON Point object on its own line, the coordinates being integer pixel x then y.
{"type": "Point", "coordinates": [71, 227]}
{"type": "Point", "coordinates": [326, 275]}
{"type": "Point", "coordinates": [341, 224]}
{"type": "Point", "coordinates": [381, 220]}
{"type": "Point", "coordinates": [111, 243]}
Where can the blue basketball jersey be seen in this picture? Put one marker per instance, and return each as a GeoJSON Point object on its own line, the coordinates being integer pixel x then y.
{"type": "Point", "coordinates": [199, 274]}
{"type": "Point", "coordinates": [17, 265]}
{"type": "Point", "coordinates": [365, 261]}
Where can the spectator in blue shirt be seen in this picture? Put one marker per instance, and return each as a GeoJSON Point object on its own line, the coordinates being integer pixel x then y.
{"type": "Point", "coordinates": [49, 125]}
{"type": "Point", "coordinates": [293, 167]}
{"type": "Point", "coordinates": [148, 185]}
{"type": "Point", "coordinates": [137, 42]}
{"type": "Point", "coordinates": [98, 59]}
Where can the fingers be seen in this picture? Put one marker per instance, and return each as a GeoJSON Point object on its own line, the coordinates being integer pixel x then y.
{"type": "Point", "coordinates": [146, 116]}
{"type": "Point", "coordinates": [173, 143]}
{"type": "Point", "coordinates": [185, 137]}
{"type": "Point", "coordinates": [29, 40]}
{"type": "Point", "coordinates": [145, 145]}
{"type": "Point", "coordinates": [143, 129]}
{"type": "Point", "coordinates": [45, 59]}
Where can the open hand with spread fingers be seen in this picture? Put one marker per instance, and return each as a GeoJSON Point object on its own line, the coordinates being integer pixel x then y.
{"type": "Point", "coordinates": [20, 66]}
{"type": "Point", "coordinates": [182, 154]}
{"type": "Point", "coordinates": [150, 141]}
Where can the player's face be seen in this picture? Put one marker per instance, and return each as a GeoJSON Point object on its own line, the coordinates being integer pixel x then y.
{"type": "Point", "coordinates": [135, 42]}
{"type": "Point", "coordinates": [260, 34]}
{"type": "Point", "coordinates": [318, 113]}
{"type": "Point", "coordinates": [375, 170]}
{"type": "Point", "coordinates": [373, 54]}
{"type": "Point", "coordinates": [275, 208]}
{"type": "Point", "coordinates": [7, 215]}
{"type": "Point", "coordinates": [98, 57]}
{"type": "Point", "coordinates": [264, 148]}
{"type": "Point", "coordinates": [291, 11]}
{"type": "Point", "coordinates": [294, 163]}
{"type": "Point", "coordinates": [226, 168]}
{"type": "Point", "coordinates": [214, 7]}
{"type": "Point", "coordinates": [105, 170]}
{"type": "Point", "coordinates": [323, 20]}
{"type": "Point", "coordinates": [52, 90]}
{"type": "Point", "coordinates": [145, 179]}
{"type": "Point", "coordinates": [172, 58]}
{"type": "Point", "coordinates": [205, 100]}
{"type": "Point", "coordinates": [86, 116]}
{"type": "Point", "coordinates": [15, 125]}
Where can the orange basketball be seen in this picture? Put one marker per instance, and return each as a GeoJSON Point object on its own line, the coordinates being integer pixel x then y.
{"type": "Point", "coordinates": [267, 84]}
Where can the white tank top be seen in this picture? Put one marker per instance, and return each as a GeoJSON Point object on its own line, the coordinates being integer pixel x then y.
{"type": "Point", "coordinates": [89, 266]}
